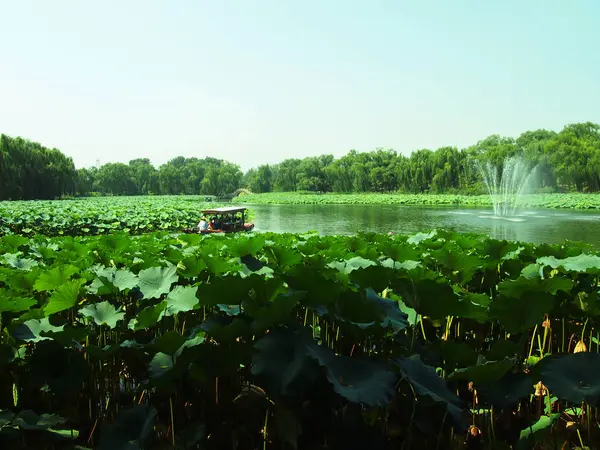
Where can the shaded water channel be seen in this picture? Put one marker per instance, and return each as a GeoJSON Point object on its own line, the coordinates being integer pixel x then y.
{"type": "Point", "coordinates": [547, 225]}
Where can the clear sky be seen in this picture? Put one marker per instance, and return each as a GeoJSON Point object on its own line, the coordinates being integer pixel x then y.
{"type": "Point", "coordinates": [258, 81]}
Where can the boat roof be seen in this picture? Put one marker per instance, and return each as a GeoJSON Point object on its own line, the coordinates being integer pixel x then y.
{"type": "Point", "coordinates": [227, 209]}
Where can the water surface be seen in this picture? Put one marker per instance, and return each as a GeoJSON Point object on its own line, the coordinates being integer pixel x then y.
{"type": "Point", "coordinates": [541, 225]}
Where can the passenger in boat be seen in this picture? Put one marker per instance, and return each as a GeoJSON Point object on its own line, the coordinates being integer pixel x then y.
{"type": "Point", "coordinates": [203, 225]}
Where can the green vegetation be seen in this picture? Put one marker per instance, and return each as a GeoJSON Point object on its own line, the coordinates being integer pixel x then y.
{"type": "Point", "coordinates": [285, 341]}
{"type": "Point", "coordinates": [571, 200]}
{"type": "Point", "coordinates": [568, 161]}
{"type": "Point", "coordinates": [28, 171]}
{"type": "Point", "coordinates": [103, 215]}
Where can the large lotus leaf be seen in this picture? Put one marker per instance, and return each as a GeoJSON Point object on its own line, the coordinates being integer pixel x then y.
{"type": "Point", "coordinates": [397, 265]}
{"type": "Point", "coordinates": [181, 299]}
{"type": "Point", "coordinates": [376, 277]}
{"type": "Point", "coordinates": [275, 312]}
{"type": "Point", "coordinates": [281, 365]}
{"type": "Point", "coordinates": [531, 310]}
{"type": "Point", "coordinates": [473, 306]}
{"type": "Point", "coordinates": [284, 256]}
{"type": "Point", "coordinates": [218, 265]}
{"type": "Point", "coordinates": [148, 317]}
{"type": "Point", "coordinates": [131, 430]}
{"type": "Point", "coordinates": [34, 330]}
{"type": "Point", "coordinates": [21, 281]}
{"type": "Point", "coordinates": [45, 252]}
{"type": "Point", "coordinates": [507, 391]}
{"type": "Point", "coordinates": [114, 243]}
{"type": "Point", "coordinates": [572, 377]}
{"type": "Point", "coordinates": [523, 287]}
{"type": "Point", "coordinates": [355, 263]}
{"type": "Point", "coordinates": [14, 241]}
{"type": "Point", "coordinates": [393, 316]}
{"type": "Point", "coordinates": [454, 260]}
{"type": "Point", "coordinates": [426, 381]}
{"type": "Point", "coordinates": [62, 369]}
{"type": "Point", "coordinates": [55, 277]}
{"type": "Point", "coordinates": [411, 314]}
{"type": "Point", "coordinates": [15, 304]}
{"type": "Point", "coordinates": [581, 263]}
{"type": "Point", "coordinates": [400, 251]}
{"type": "Point", "coordinates": [29, 420]}
{"type": "Point", "coordinates": [168, 343]}
{"type": "Point", "coordinates": [191, 267]}
{"type": "Point", "coordinates": [313, 280]}
{"type": "Point", "coordinates": [160, 366]}
{"type": "Point", "coordinates": [14, 260]}
{"type": "Point", "coordinates": [156, 281]}
{"type": "Point", "coordinates": [103, 314]}
{"type": "Point", "coordinates": [532, 271]}
{"type": "Point", "coordinates": [421, 237]}
{"type": "Point", "coordinates": [195, 339]}
{"type": "Point", "coordinates": [537, 432]}
{"type": "Point", "coordinates": [230, 310]}
{"type": "Point", "coordinates": [228, 290]}
{"type": "Point", "coordinates": [484, 373]}
{"type": "Point", "coordinates": [358, 380]}
{"type": "Point", "coordinates": [110, 279]}
{"type": "Point", "coordinates": [353, 306]}
{"type": "Point", "coordinates": [427, 293]}
{"type": "Point", "coordinates": [70, 336]}
{"type": "Point", "coordinates": [244, 245]}
{"type": "Point", "coordinates": [64, 297]}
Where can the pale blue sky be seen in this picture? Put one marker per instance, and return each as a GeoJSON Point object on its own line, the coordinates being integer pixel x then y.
{"type": "Point", "coordinates": [259, 81]}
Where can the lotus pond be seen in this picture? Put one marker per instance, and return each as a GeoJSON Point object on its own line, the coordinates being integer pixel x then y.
{"type": "Point", "coordinates": [273, 341]}
{"type": "Point", "coordinates": [102, 215]}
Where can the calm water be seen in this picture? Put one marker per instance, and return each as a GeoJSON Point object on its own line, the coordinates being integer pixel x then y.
{"type": "Point", "coordinates": [552, 226]}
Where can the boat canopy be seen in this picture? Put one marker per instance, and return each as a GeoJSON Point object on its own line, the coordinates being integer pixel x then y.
{"type": "Point", "coordinates": [225, 210]}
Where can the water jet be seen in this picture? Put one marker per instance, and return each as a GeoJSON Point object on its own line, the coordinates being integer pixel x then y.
{"type": "Point", "coordinates": [506, 187]}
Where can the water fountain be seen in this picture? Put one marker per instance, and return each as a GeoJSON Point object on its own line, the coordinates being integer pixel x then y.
{"type": "Point", "coordinates": [507, 188]}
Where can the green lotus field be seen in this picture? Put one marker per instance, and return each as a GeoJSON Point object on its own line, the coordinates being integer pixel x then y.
{"type": "Point", "coordinates": [570, 200]}
{"type": "Point", "coordinates": [276, 341]}
{"type": "Point", "coordinates": [102, 215]}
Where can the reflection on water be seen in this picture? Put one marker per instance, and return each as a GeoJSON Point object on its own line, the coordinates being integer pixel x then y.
{"type": "Point", "coordinates": [532, 226]}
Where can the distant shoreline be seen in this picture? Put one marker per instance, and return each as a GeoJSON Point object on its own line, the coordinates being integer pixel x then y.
{"type": "Point", "coordinates": [556, 201]}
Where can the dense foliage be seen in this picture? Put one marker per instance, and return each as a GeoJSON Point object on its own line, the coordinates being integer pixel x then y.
{"type": "Point", "coordinates": [284, 341]}
{"type": "Point", "coordinates": [30, 171]}
{"type": "Point", "coordinates": [103, 215]}
{"type": "Point", "coordinates": [570, 201]}
{"type": "Point", "coordinates": [568, 161]}
{"type": "Point", "coordinates": [178, 176]}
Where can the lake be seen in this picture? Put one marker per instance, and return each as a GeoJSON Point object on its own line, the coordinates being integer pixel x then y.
{"type": "Point", "coordinates": [548, 225]}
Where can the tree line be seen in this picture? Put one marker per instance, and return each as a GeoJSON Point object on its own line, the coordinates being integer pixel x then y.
{"type": "Point", "coordinates": [30, 171]}
{"type": "Point", "coordinates": [568, 161]}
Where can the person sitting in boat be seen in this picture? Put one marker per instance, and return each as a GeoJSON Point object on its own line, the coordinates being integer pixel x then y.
{"type": "Point", "coordinates": [203, 225]}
